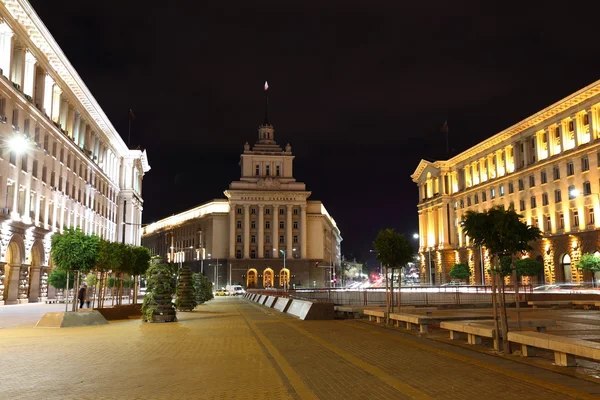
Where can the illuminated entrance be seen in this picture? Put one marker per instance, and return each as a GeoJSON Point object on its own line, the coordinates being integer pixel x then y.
{"type": "Point", "coordinates": [251, 279]}
{"type": "Point", "coordinates": [284, 278]}
{"type": "Point", "coordinates": [268, 278]}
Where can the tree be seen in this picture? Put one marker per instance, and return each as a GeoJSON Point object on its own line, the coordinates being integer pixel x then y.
{"type": "Point", "coordinates": [589, 262]}
{"type": "Point", "coordinates": [460, 271]}
{"type": "Point", "coordinates": [186, 294]}
{"type": "Point", "coordinates": [73, 250]}
{"type": "Point", "coordinates": [528, 267]}
{"type": "Point", "coordinates": [109, 259]}
{"type": "Point", "coordinates": [58, 279]}
{"type": "Point", "coordinates": [502, 233]}
{"type": "Point", "coordinates": [393, 251]}
{"type": "Point", "coordinates": [140, 266]}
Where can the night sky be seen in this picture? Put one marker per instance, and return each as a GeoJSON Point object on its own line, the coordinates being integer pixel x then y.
{"type": "Point", "coordinates": [359, 89]}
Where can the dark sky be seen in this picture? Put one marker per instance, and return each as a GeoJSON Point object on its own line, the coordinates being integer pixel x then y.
{"type": "Point", "coordinates": [359, 89]}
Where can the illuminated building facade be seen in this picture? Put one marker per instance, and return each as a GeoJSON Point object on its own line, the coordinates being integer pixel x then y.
{"type": "Point", "coordinates": [62, 163]}
{"type": "Point", "coordinates": [265, 234]}
{"type": "Point", "coordinates": [546, 167]}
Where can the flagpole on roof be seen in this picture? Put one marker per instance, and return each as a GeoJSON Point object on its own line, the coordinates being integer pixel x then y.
{"type": "Point", "coordinates": [131, 118]}
{"type": "Point", "coordinates": [445, 129]}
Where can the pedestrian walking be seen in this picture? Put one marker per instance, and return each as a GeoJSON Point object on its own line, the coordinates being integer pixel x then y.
{"type": "Point", "coordinates": [82, 294]}
{"type": "Point", "coordinates": [87, 296]}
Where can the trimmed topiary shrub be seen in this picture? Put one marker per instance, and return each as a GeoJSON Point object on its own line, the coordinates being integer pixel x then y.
{"type": "Point", "coordinates": [158, 302]}
{"type": "Point", "coordinates": [186, 296]}
{"type": "Point", "coordinates": [203, 288]}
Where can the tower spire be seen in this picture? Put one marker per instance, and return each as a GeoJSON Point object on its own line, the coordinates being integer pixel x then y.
{"type": "Point", "coordinates": [266, 103]}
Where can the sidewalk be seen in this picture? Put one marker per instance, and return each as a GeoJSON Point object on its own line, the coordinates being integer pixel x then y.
{"type": "Point", "coordinates": [232, 349]}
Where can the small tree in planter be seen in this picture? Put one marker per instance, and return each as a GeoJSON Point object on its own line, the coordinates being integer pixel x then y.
{"type": "Point", "coordinates": [186, 296]}
{"type": "Point", "coordinates": [460, 271]}
{"type": "Point", "coordinates": [73, 250]}
{"type": "Point", "coordinates": [589, 262]}
{"type": "Point", "coordinates": [528, 267]}
{"type": "Point", "coordinates": [158, 304]}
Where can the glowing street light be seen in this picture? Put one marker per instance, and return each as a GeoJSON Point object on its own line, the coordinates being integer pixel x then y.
{"type": "Point", "coordinates": [415, 235]}
{"type": "Point", "coordinates": [18, 144]}
{"type": "Point", "coordinates": [574, 193]}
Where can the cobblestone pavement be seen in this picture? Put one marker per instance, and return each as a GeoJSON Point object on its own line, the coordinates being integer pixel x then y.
{"type": "Point", "coordinates": [233, 349]}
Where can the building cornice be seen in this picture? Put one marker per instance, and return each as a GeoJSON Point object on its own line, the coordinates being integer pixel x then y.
{"type": "Point", "coordinates": [22, 12]}
{"type": "Point", "coordinates": [532, 121]}
{"type": "Point", "coordinates": [211, 207]}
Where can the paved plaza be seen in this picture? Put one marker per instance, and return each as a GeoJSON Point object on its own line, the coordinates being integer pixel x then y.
{"type": "Point", "coordinates": [233, 349]}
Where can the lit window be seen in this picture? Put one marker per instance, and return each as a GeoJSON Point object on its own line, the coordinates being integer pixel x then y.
{"type": "Point", "coordinates": [501, 190]}
{"type": "Point", "coordinates": [591, 216]}
{"type": "Point", "coordinates": [239, 224]}
{"type": "Point", "coordinates": [572, 192]}
{"type": "Point", "coordinates": [267, 224]}
{"type": "Point", "coordinates": [238, 239]}
{"type": "Point", "coordinates": [295, 224]}
{"type": "Point", "coordinates": [253, 239]}
{"type": "Point", "coordinates": [585, 164]}
{"type": "Point", "coordinates": [557, 196]}
{"type": "Point", "coordinates": [281, 225]}
{"type": "Point", "coordinates": [253, 224]}
{"type": "Point", "coordinates": [575, 219]}
{"type": "Point", "coordinates": [281, 239]}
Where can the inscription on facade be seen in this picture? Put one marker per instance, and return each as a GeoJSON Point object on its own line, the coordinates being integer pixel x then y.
{"type": "Point", "coordinates": [271, 198]}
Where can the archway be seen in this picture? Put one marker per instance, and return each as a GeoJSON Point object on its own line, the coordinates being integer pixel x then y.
{"type": "Point", "coordinates": [251, 279]}
{"type": "Point", "coordinates": [566, 265]}
{"type": "Point", "coordinates": [540, 276]}
{"type": "Point", "coordinates": [284, 278]}
{"type": "Point", "coordinates": [14, 274]}
{"type": "Point", "coordinates": [268, 278]}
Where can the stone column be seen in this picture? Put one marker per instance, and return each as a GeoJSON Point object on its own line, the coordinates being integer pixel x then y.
{"type": "Point", "coordinates": [27, 194]}
{"type": "Point", "coordinates": [288, 233]}
{"type": "Point", "coordinates": [29, 78]}
{"type": "Point", "coordinates": [37, 208]}
{"type": "Point", "coordinates": [576, 130]}
{"type": "Point", "coordinates": [6, 35]}
{"type": "Point", "coordinates": [261, 231]}
{"type": "Point", "coordinates": [593, 124]}
{"type": "Point", "coordinates": [275, 230]}
{"type": "Point", "coordinates": [246, 231]}
{"type": "Point", "coordinates": [15, 204]}
{"type": "Point", "coordinates": [303, 231]}
{"type": "Point", "coordinates": [34, 283]}
{"type": "Point", "coordinates": [12, 283]}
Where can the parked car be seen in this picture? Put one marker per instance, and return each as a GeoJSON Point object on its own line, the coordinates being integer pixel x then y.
{"type": "Point", "coordinates": [235, 290]}
{"type": "Point", "coordinates": [221, 292]}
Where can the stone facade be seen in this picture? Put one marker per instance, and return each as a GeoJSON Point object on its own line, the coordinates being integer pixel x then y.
{"type": "Point", "coordinates": [62, 163]}
{"type": "Point", "coordinates": [547, 167]}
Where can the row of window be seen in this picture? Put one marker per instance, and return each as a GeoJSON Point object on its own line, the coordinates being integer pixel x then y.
{"type": "Point", "coordinates": [240, 211]}
{"type": "Point", "coordinates": [238, 239]}
{"type": "Point", "coordinates": [572, 192]}
{"type": "Point", "coordinates": [267, 224]}
{"type": "Point", "coordinates": [268, 170]}
{"type": "Point", "coordinates": [253, 252]}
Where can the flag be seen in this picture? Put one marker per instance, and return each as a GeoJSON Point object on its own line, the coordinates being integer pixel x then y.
{"type": "Point", "coordinates": [266, 86]}
{"type": "Point", "coordinates": [131, 115]}
{"type": "Point", "coordinates": [445, 127]}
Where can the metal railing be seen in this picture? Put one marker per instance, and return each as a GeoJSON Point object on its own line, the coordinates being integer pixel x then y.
{"type": "Point", "coordinates": [413, 295]}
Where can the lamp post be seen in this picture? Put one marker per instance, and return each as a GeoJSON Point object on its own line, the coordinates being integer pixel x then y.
{"type": "Point", "coordinates": [416, 236]}
{"type": "Point", "coordinates": [216, 271]}
{"type": "Point", "coordinates": [380, 264]}
{"type": "Point", "coordinates": [284, 257]}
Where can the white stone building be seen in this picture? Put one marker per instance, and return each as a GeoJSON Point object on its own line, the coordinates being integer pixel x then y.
{"type": "Point", "coordinates": [265, 234]}
{"type": "Point", "coordinates": [62, 163]}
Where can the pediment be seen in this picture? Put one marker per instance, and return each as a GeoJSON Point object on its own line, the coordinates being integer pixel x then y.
{"type": "Point", "coordinates": [423, 169]}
